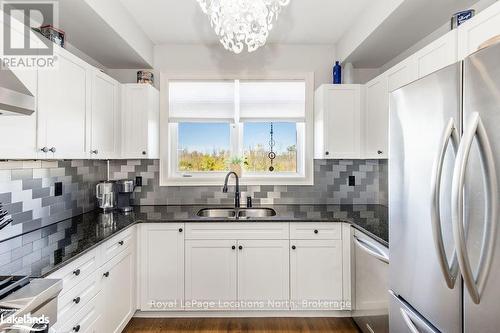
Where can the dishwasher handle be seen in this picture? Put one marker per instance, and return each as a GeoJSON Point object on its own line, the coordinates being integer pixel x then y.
{"type": "Point", "coordinates": [371, 248]}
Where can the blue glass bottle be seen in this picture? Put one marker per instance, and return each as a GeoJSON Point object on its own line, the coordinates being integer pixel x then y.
{"type": "Point", "coordinates": [337, 73]}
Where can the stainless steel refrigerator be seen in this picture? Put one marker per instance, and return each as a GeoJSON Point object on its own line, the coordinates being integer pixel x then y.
{"type": "Point", "coordinates": [444, 273]}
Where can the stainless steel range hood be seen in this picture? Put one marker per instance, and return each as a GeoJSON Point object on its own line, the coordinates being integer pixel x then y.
{"type": "Point", "coordinates": [15, 97]}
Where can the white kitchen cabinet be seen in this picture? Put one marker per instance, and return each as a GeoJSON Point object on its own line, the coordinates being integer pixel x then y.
{"type": "Point", "coordinates": [211, 267]}
{"type": "Point", "coordinates": [105, 117]}
{"type": "Point", "coordinates": [140, 121]}
{"type": "Point", "coordinates": [118, 284]}
{"type": "Point", "coordinates": [403, 73]}
{"type": "Point", "coordinates": [437, 55]}
{"type": "Point", "coordinates": [64, 108]}
{"type": "Point", "coordinates": [161, 262]}
{"type": "Point", "coordinates": [337, 121]}
{"type": "Point", "coordinates": [478, 30]}
{"type": "Point", "coordinates": [263, 273]}
{"type": "Point", "coordinates": [376, 119]}
{"type": "Point", "coordinates": [88, 320]}
{"type": "Point", "coordinates": [316, 274]}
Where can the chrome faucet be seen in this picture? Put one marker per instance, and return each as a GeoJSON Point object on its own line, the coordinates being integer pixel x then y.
{"type": "Point", "coordinates": [236, 190]}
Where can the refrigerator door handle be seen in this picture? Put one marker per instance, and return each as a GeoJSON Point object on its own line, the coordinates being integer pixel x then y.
{"type": "Point", "coordinates": [371, 249]}
{"type": "Point", "coordinates": [475, 284]}
{"type": "Point", "coordinates": [408, 321]}
{"type": "Point", "coordinates": [449, 270]}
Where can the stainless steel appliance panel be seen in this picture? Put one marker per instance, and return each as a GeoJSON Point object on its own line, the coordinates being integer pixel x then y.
{"type": "Point", "coordinates": [405, 319]}
{"type": "Point", "coordinates": [423, 117]}
{"type": "Point", "coordinates": [371, 274]}
{"type": "Point", "coordinates": [482, 97]}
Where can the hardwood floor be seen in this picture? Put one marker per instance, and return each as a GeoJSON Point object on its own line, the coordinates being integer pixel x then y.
{"type": "Point", "coordinates": [236, 325]}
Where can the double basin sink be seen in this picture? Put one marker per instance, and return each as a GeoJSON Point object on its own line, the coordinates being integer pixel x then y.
{"type": "Point", "coordinates": [236, 213]}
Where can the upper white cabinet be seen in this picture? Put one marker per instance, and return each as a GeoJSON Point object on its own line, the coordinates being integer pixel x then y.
{"type": "Point", "coordinates": [105, 117]}
{"type": "Point", "coordinates": [376, 119]}
{"type": "Point", "coordinates": [64, 108]}
{"type": "Point", "coordinates": [161, 262]}
{"type": "Point", "coordinates": [478, 30]}
{"type": "Point", "coordinates": [337, 121]}
{"type": "Point", "coordinates": [438, 54]}
{"type": "Point", "coordinates": [140, 121]}
{"type": "Point", "coordinates": [402, 74]}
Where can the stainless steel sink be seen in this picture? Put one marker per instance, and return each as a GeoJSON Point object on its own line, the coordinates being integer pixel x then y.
{"type": "Point", "coordinates": [236, 213]}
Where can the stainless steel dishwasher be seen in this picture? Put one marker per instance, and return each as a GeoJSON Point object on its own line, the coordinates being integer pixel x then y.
{"type": "Point", "coordinates": [371, 288]}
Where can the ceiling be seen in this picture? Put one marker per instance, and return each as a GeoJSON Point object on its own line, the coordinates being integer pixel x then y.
{"type": "Point", "coordinates": [301, 22]}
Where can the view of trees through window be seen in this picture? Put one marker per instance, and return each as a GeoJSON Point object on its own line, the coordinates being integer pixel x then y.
{"type": "Point", "coordinates": [204, 147]}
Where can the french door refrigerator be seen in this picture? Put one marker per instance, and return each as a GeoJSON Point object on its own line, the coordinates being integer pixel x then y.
{"type": "Point", "coordinates": [444, 273]}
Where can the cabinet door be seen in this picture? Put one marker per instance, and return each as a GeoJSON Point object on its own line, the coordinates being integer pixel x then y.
{"type": "Point", "coordinates": [402, 74]}
{"type": "Point", "coordinates": [118, 292]}
{"type": "Point", "coordinates": [438, 54]}
{"type": "Point", "coordinates": [210, 273]}
{"type": "Point", "coordinates": [135, 122]}
{"type": "Point", "coordinates": [105, 117]}
{"type": "Point", "coordinates": [162, 266]}
{"type": "Point", "coordinates": [316, 274]}
{"type": "Point", "coordinates": [63, 105]}
{"type": "Point", "coordinates": [263, 274]}
{"type": "Point", "coordinates": [376, 119]}
{"type": "Point", "coordinates": [343, 121]}
{"type": "Point", "coordinates": [478, 30]}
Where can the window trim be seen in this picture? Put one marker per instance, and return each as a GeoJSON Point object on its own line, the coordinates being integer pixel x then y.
{"type": "Point", "coordinates": [167, 150]}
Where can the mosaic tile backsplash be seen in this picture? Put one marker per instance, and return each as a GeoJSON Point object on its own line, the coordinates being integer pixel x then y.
{"type": "Point", "coordinates": [330, 186]}
{"type": "Point", "coordinates": [27, 188]}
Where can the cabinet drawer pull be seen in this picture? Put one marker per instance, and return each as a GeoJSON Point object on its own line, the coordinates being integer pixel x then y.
{"type": "Point", "coordinates": [316, 231]}
{"type": "Point", "coordinates": [240, 247]}
{"type": "Point", "coordinates": [76, 300]}
{"type": "Point", "coordinates": [95, 151]}
{"type": "Point", "coordinates": [76, 328]}
{"type": "Point", "coordinates": [233, 247]}
{"type": "Point", "coordinates": [293, 247]}
{"type": "Point", "coordinates": [380, 152]}
{"type": "Point", "coordinates": [77, 272]}
{"type": "Point", "coordinates": [120, 242]}
{"type": "Point", "coordinates": [180, 230]}
{"type": "Point", "coordinates": [44, 149]}
{"type": "Point", "coordinates": [327, 153]}
{"type": "Point", "coordinates": [144, 152]}
{"type": "Point", "coordinates": [106, 274]}
{"type": "Point", "coordinates": [53, 149]}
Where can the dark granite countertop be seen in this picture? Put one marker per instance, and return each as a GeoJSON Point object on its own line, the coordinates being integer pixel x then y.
{"type": "Point", "coordinates": [49, 248]}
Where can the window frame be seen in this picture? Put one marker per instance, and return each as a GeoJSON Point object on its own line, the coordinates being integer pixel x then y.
{"type": "Point", "coordinates": [168, 136]}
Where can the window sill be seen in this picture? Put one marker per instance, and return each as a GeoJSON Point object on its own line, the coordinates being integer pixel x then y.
{"type": "Point", "coordinates": [219, 181]}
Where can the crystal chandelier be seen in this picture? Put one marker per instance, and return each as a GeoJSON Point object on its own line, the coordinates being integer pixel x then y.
{"type": "Point", "coordinates": [242, 22]}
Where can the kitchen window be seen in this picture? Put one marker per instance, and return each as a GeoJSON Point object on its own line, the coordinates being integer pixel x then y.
{"type": "Point", "coordinates": [212, 124]}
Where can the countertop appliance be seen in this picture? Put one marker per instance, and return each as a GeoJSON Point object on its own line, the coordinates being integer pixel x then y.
{"type": "Point", "coordinates": [105, 192]}
{"type": "Point", "coordinates": [20, 295]}
{"type": "Point", "coordinates": [125, 189]}
{"type": "Point", "coordinates": [371, 275]}
{"type": "Point", "coordinates": [443, 199]}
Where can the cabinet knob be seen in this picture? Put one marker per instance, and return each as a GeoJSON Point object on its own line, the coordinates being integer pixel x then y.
{"type": "Point", "coordinates": [180, 230]}
{"type": "Point", "coordinates": [240, 247]}
{"type": "Point", "coordinates": [380, 152]}
{"type": "Point", "coordinates": [327, 153]}
{"type": "Point", "coordinates": [293, 247]}
{"type": "Point", "coordinates": [106, 274]}
{"type": "Point", "coordinates": [44, 149]}
{"type": "Point", "coordinates": [95, 152]}
{"type": "Point", "coordinates": [233, 247]}
{"type": "Point", "coordinates": [144, 152]}
{"type": "Point", "coordinates": [76, 328]}
{"type": "Point", "coordinates": [120, 242]}
{"type": "Point", "coordinates": [76, 272]}
{"type": "Point", "coordinates": [76, 300]}
{"type": "Point", "coordinates": [53, 149]}
{"type": "Point", "coordinates": [316, 231]}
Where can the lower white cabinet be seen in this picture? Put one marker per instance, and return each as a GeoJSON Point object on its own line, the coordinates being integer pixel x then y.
{"type": "Point", "coordinates": [87, 320]}
{"type": "Point", "coordinates": [161, 268]}
{"type": "Point", "coordinates": [211, 272]}
{"type": "Point", "coordinates": [118, 285]}
{"type": "Point", "coordinates": [263, 274]}
{"type": "Point", "coordinates": [316, 274]}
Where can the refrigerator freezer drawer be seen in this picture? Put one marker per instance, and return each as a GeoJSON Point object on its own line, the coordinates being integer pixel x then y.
{"type": "Point", "coordinates": [405, 319]}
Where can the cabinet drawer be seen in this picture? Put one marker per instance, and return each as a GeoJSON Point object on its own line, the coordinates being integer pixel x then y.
{"type": "Point", "coordinates": [118, 244]}
{"type": "Point", "coordinates": [75, 299]}
{"type": "Point", "coordinates": [76, 271]}
{"type": "Point", "coordinates": [86, 320]}
{"type": "Point", "coordinates": [240, 230]}
{"type": "Point", "coordinates": [329, 230]}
